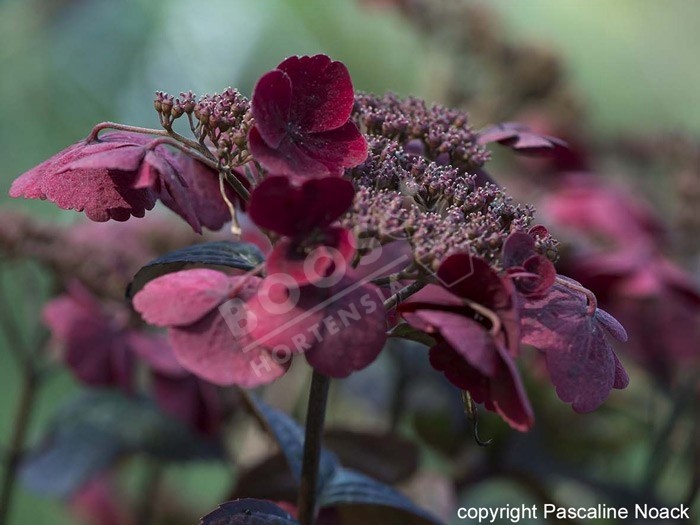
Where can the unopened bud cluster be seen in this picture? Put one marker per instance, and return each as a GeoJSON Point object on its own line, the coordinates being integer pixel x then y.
{"type": "Point", "coordinates": [436, 132]}
{"type": "Point", "coordinates": [222, 120]}
{"type": "Point", "coordinates": [438, 209]}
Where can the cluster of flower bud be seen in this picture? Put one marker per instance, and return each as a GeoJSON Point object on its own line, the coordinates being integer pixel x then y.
{"type": "Point", "coordinates": [438, 209]}
{"type": "Point", "coordinates": [223, 119]}
{"type": "Point", "coordinates": [436, 132]}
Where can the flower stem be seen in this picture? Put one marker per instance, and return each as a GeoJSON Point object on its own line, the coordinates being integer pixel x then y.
{"type": "Point", "coordinates": [16, 446]}
{"type": "Point", "coordinates": [403, 294]}
{"type": "Point", "coordinates": [148, 499]}
{"type": "Point", "coordinates": [315, 416]}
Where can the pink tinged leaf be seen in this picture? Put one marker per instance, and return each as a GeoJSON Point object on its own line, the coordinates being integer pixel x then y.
{"type": "Point", "coordinates": [322, 92]}
{"type": "Point", "coordinates": [210, 350]}
{"type": "Point", "coordinates": [581, 362]}
{"type": "Point", "coordinates": [271, 102]}
{"type": "Point", "coordinates": [182, 298]}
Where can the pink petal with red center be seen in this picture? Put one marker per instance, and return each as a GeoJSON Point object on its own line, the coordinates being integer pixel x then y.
{"type": "Point", "coordinates": [271, 102]}
{"type": "Point", "coordinates": [322, 92]}
{"type": "Point", "coordinates": [182, 298]}
{"type": "Point", "coordinates": [210, 350]}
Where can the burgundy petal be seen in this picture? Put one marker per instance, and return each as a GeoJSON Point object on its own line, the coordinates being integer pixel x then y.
{"type": "Point", "coordinates": [277, 205]}
{"type": "Point", "coordinates": [322, 92]}
{"type": "Point", "coordinates": [503, 394]}
{"type": "Point", "coordinates": [100, 193]}
{"type": "Point", "coordinates": [336, 149]}
{"type": "Point", "coordinates": [518, 247]}
{"type": "Point", "coordinates": [472, 278]}
{"type": "Point", "coordinates": [271, 104]}
{"type": "Point", "coordinates": [465, 336]}
{"type": "Point", "coordinates": [287, 159]}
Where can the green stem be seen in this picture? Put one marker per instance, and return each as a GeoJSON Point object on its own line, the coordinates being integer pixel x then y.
{"type": "Point", "coordinates": [315, 416]}
{"type": "Point", "coordinates": [16, 447]}
{"type": "Point", "coordinates": [148, 496]}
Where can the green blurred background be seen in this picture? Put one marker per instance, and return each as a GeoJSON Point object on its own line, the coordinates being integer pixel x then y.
{"type": "Point", "coordinates": [68, 64]}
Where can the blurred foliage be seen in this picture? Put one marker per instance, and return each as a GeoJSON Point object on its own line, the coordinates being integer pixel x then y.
{"type": "Point", "coordinates": [68, 64]}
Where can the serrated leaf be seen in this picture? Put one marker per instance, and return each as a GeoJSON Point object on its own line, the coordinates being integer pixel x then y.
{"type": "Point", "coordinates": [290, 438]}
{"type": "Point", "coordinates": [406, 331]}
{"type": "Point", "coordinates": [248, 512]}
{"type": "Point", "coordinates": [229, 254]}
{"type": "Point", "coordinates": [360, 499]}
